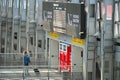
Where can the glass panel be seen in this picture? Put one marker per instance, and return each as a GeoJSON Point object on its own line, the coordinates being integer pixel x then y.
{"type": "Point", "coordinates": [15, 46]}
{"type": "Point", "coordinates": [17, 3]}
{"type": "Point", "coordinates": [2, 41]}
{"type": "Point", "coordinates": [31, 40]}
{"type": "Point", "coordinates": [39, 43]}
{"type": "Point", "coordinates": [60, 46]}
{"type": "Point", "coordinates": [92, 10]}
{"type": "Point", "coordinates": [15, 35]}
{"type": "Point", "coordinates": [64, 48]}
{"type": "Point", "coordinates": [10, 3]}
{"type": "Point", "coordinates": [4, 3]}
{"type": "Point", "coordinates": [24, 4]}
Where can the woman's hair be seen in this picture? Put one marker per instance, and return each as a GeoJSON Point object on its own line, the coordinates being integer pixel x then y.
{"type": "Point", "coordinates": [25, 52]}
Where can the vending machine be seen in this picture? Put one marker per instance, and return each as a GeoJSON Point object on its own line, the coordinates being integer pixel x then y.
{"type": "Point", "coordinates": [64, 57]}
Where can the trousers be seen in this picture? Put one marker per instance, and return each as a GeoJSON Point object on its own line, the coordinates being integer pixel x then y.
{"type": "Point", "coordinates": [26, 69]}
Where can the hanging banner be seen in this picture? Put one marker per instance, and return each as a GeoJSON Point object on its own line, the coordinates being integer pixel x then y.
{"type": "Point", "coordinates": [78, 41]}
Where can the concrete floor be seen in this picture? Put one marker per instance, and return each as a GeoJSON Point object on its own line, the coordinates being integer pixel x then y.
{"type": "Point", "coordinates": [17, 74]}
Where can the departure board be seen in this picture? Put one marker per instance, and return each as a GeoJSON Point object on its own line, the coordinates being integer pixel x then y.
{"type": "Point", "coordinates": [67, 18]}
{"type": "Point", "coordinates": [59, 20]}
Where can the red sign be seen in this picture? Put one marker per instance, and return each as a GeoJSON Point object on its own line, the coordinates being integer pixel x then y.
{"type": "Point", "coordinates": [65, 57]}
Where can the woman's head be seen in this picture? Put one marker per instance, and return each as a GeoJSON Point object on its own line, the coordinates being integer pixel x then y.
{"type": "Point", "coordinates": [25, 52]}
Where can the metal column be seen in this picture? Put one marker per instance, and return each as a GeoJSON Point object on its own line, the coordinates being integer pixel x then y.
{"type": "Point", "coordinates": [6, 26]}
{"type": "Point", "coordinates": [19, 27]}
{"type": "Point", "coordinates": [27, 23]}
{"type": "Point", "coordinates": [85, 50]}
{"type": "Point", "coordinates": [12, 27]}
{"type": "Point", "coordinates": [102, 41]}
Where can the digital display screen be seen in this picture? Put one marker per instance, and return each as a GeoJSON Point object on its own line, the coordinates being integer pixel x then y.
{"type": "Point", "coordinates": [59, 20]}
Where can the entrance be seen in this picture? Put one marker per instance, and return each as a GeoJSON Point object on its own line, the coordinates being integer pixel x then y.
{"type": "Point", "coordinates": [53, 47]}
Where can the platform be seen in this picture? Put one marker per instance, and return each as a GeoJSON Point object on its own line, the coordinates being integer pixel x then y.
{"type": "Point", "coordinates": [18, 74]}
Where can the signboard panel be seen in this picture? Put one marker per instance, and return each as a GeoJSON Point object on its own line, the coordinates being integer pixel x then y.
{"type": "Point", "coordinates": [47, 15]}
{"type": "Point", "coordinates": [53, 35]}
{"type": "Point", "coordinates": [65, 57]}
{"type": "Point", "coordinates": [63, 14]}
{"type": "Point", "coordinates": [78, 41]}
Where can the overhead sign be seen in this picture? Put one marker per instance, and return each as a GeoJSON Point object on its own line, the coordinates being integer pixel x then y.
{"type": "Point", "coordinates": [78, 41]}
{"type": "Point", "coordinates": [60, 15]}
{"type": "Point", "coordinates": [53, 35]}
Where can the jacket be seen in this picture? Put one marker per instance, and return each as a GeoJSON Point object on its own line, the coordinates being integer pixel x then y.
{"type": "Point", "coordinates": [26, 59]}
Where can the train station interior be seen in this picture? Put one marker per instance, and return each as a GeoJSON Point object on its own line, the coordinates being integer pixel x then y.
{"type": "Point", "coordinates": [64, 39]}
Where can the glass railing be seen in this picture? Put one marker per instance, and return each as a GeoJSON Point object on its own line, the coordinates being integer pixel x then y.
{"type": "Point", "coordinates": [34, 73]}
{"type": "Point", "coordinates": [16, 59]}
{"type": "Point", "coordinates": [12, 68]}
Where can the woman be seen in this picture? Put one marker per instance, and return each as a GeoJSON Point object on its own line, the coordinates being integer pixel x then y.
{"type": "Point", "coordinates": [26, 61]}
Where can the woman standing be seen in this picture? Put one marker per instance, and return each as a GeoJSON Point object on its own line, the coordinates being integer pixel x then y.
{"type": "Point", "coordinates": [26, 61]}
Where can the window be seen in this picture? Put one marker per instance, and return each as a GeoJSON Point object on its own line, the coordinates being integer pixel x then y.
{"type": "Point", "coordinates": [10, 3]}
{"type": "Point", "coordinates": [2, 50]}
{"type": "Point", "coordinates": [2, 41]}
{"type": "Point", "coordinates": [60, 46]}
{"type": "Point", "coordinates": [21, 49]}
{"type": "Point", "coordinates": [31, 40]}
{"type": "Point", "coordinates": [64, 48]}
{"type": "Point", "coordinates": [106, 66]}
{"type": "Point", "coordinates": [16, 3]}
{"type": "Point", "coordinates": [24, 4]}
{"type": "Point", "coordinates": [30, 52]}
{"type": "Point", "coordinates": [15, 46]}
{"type": "Point", "coordinates": [4, 2]}
{"type": "Point", "coordinates": [39, 43]}
{"type": "Point", "coordinates": [92, 10]}
{"type": "Point", "coordinates": [81, 53]}
{"type": "Point", "coordinates": [15, 35]}
{"type": "Point", "coordinates": [3, 23]}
